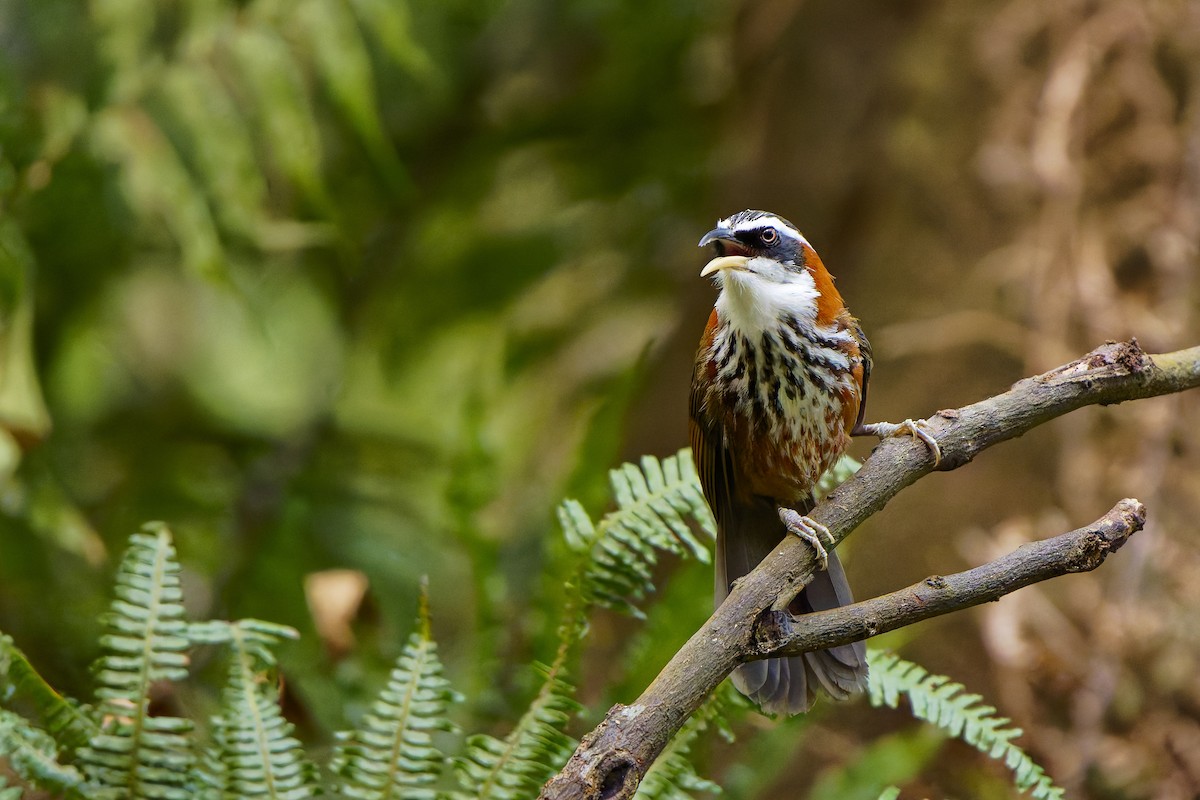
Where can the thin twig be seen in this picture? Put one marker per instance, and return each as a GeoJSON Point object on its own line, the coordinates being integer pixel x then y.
{"type": "Point", "coordinates": [1080, 550]}
{"type": "Point", "coordinates": [611, 760]}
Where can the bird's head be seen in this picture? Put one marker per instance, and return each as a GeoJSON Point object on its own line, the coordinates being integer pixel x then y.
{"type": "Point", "coordinates": [753, 234]}
{"type": "Point", "coordinates": [765, 265]}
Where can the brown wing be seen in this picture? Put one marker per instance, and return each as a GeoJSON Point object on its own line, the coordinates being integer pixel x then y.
{"type": "Point", "coordinates": [714, 462]}
{"type": "Point", "coordinates": [865, 360]}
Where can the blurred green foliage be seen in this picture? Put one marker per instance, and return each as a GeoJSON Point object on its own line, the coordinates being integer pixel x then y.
{"type": "Point", "coordinates": [327, 284]}
{"type": "Point", "coordinates": [373, 283]}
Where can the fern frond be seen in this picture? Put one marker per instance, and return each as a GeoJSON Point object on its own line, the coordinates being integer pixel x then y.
{"type": "Point", "coordinates": [255, 754]}
{"type": "Point", "coordinates": [31, 754]}
{"type": "Point", "coordinates": [516, 767]}
{"type": "Point", "coordinates": [935, 699]}
{"type": "Point", "coordinates": [654, 502]}
{"type": "Point", "coordinates": [392, 754]}
{"type": "Point", "coordinates": [63, 719]}
{"type": "Point", "coordinates": [615, 562]}
{"type": "Point", "coordinates": [135, 755]}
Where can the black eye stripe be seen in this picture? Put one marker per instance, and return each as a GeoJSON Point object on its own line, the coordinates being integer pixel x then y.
{"type": "Point", "coordinates": [760, 236]}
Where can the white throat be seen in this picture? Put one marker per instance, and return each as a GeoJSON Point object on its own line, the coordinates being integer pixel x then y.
{"type": "Point", "coordinates": [752, 303]}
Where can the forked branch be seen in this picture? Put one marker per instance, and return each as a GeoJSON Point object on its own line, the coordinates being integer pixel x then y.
{"type": "Point", "coordinates": [1081, 550]}
{"type": "Point", "coordinates": [611, 760]}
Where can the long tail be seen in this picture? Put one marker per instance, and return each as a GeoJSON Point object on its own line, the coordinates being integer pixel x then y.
{"type": "Point", "coordinates": [787, 685]}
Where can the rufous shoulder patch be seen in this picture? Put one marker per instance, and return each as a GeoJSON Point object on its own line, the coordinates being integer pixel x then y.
{"type": "Point", "coordinates": [829, 300]}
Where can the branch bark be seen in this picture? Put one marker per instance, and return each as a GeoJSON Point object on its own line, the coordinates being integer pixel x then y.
{"type": "Point", "coordinates": [611, 760]}
{"type": "Point", "coordinates": [780, 634]}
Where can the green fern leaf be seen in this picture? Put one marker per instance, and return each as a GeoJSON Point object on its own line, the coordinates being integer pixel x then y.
{"type": "Point", "coordinates": [135, 755]}
{"type": "Point", "coordinates": [31, 754]}
{"type": "Point", "coordinates": [615, 562]}
{"type": "Point", "coordinates": [255, 754]}
{"type": "Point", "coordinates": [935, 699]}
{"type": "Point", "coordinates": [64, 719]}
{"type": "Point", "coordinates": [392, 755]}
{"type": "Point", "coordinates": [654, 502]}
{"type": "Point", "coordinates": [514, 768]}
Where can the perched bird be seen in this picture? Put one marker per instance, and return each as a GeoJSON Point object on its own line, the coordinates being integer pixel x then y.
{"type": "Point", "coordinates": [779, 387]}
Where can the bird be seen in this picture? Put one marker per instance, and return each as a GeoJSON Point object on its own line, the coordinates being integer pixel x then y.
{"type": "Point", "coordinates": [778, 389]}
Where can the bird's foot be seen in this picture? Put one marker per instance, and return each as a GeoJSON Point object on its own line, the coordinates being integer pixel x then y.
{"type": "Point", "coordinates": [917, 428]}
{"type": "Point", "coordinates": [810, 531]}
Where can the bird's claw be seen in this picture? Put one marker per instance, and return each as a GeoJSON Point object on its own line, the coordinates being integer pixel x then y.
{"type": "Point", "coordinates": [917, 428]}
{"type": "Point", "coordinates": [810, 531]}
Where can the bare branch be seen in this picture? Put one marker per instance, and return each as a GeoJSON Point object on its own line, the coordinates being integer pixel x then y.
{"type": "Point", "coordinates": [1081, 550]}
{"type": "Point", "coordinates": [611, 760]}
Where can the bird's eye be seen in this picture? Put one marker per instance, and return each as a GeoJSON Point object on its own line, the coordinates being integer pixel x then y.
{"type": "Point", "coordinates": [769, 236]}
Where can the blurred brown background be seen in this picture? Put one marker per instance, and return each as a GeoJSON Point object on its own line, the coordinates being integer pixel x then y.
{"type": "Point", "coordinates": [999, 188]}
{"type": "Point", "coordinates": [372, 285]}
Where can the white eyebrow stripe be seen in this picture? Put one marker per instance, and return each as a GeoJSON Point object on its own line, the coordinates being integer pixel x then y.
{"type": "Point", "coordinates": [763, 222]}
{"type": "Point", "coordinates": [770, 220]}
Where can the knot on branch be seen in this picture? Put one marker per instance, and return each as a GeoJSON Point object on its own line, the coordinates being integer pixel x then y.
{"type": "Point", "coordinates": [601, 769]}
{"type": "Point", "coordinates": [618, 776]}
{"type": "Point", "coordinates": [772, 630]}
{"type": "Point", "coordinates": [1111, 359]}
{"type": "Point", "coordinates": [1109, 534]}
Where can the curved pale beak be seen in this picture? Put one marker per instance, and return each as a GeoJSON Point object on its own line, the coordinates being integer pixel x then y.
{"type": "Point", "coordinates": [724, 262]}
{"type": "Point", "coordinates": [726, 243]}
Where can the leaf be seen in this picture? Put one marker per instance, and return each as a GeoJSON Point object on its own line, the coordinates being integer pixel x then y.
{"type": "Point", "coordinates": [65, 721]}
{"type": "Point", "coordinates": [654, 502]}
{"type": "Point", "coordinates": [514, 768]}
{"type": "Point", "coordinates": [133, 754]}
{"type": "Point", "coordinates": [390, 22]}
{"type": "Point", "coordinates": [126, 33]}
{"type": "Point", "coordinates": [219, 143]}
{"type": "Point", "coordinates": [255, 753]}
{"type": "Point", "coordinates": [31, 754]}
{"type": "Point", "coordinates": [935, 699]}
{"type": "Point", "coordinates": [23, 411]}
{"type": "Point", "coordinates": [392, 755]}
